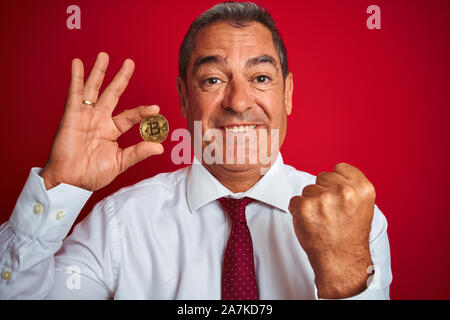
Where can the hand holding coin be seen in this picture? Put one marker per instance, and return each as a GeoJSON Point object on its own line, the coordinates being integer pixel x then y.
{"type": "Point", "coordinates": [85, 152]}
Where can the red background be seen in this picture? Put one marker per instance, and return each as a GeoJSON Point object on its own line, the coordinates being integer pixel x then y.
{"type": "Point", "coordinates": [377, 99]}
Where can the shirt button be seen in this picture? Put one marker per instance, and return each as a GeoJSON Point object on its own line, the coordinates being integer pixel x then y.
{"type": "Point", "coordinates": [6, 275]}
{"type": "Point", "coordinates": [60, 214]}
{"type": "Point", "coordinates": [38, 207]}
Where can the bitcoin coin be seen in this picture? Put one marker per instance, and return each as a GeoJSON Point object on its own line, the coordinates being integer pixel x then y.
{"type": "Point", "coordinates": [154, 128]}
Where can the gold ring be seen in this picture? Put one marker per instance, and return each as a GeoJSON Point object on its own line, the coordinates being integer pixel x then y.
{"type": "Point", "coordinates": [88, 102]}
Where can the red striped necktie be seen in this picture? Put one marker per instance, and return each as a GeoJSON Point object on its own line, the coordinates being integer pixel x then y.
{"type": "Point", "coordinates": [238, 273]}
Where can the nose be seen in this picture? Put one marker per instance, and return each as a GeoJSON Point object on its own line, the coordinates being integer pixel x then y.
{"type": "Point", "coordinates": [238, 96]}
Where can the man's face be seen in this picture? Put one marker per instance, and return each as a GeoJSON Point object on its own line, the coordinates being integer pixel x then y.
{"type": "Point", "coordinates": [234, 79]}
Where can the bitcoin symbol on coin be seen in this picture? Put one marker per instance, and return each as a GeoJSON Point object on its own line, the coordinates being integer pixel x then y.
{"type": "Point", "coordinates": [154, 128]}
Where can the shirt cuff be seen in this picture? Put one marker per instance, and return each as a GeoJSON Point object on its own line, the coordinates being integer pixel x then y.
{"type": "Point", "coordinates": [42, 213]}
{"type": "Point", "coordinates": [372, 292]}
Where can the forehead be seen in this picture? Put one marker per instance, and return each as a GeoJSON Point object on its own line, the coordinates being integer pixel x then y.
{"type": "Point", "coordinates": [222, 36]}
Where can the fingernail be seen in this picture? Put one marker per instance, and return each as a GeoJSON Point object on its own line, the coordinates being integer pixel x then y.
{"type": "Point", "coordinates": [152, 106]}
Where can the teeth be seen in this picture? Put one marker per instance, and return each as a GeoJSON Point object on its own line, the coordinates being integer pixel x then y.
{"type": "Point", "coordinates": [240, 128]}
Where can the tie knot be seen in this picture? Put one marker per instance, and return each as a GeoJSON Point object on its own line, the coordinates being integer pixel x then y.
{"type": "Point", "coordinates": [235, 208]}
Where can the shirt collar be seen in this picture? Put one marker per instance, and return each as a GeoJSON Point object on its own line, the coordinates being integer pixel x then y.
{"type": "Point", "coordinates": [272, 188]}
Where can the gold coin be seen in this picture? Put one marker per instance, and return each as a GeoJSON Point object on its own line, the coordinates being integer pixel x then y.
{"type": "Point", "coordinates": [154, 128]}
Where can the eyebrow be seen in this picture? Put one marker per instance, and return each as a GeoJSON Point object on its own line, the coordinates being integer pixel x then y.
{"type": "Point", "coordinates": [222, 60]}
{"type": "Point", "coordinates": [261, 59]}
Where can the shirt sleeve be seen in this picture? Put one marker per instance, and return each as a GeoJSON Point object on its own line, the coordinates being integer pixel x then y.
{"type": "Point", "coordinates": [381, 275]}
{"type": "Point", "coordinates": [41, 219]}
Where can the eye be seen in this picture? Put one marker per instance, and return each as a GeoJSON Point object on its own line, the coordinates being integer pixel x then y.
{"type": "Point", "coordinates": [263, 79]}
{"type": "Point", "coordinates": [211, 81]}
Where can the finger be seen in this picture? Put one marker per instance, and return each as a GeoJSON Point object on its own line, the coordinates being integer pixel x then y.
{"type": "Point", "coordinates": [348, 171]}
{"type": "Point", "coordinates": [96, 76]}
{"type": "Point", "coordinates": [312, 190]}
{"type": "Point", "coordinates": [357, 178]}
{"type": "Point", "coordinates": [330, 179]}
{"type": "Point", "coordinates": [110, 96]}
{"type": "Point", "coordinates": [299, 205]}
{"type": "Point", "coordinates": [128, 118]}
{"type": "Point", "coordinates": [139, 152]}
{"type": "Point", "coordinates": [293, 204]}
{"type": "Point", "coordinates": [75, 94]}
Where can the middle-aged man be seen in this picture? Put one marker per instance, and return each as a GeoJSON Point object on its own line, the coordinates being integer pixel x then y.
{"type": "Point", "coordinates": [212, 230]}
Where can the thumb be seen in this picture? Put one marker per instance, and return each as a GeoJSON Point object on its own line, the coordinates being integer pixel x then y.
{"type": "Point", "coordinates": [139, 152]}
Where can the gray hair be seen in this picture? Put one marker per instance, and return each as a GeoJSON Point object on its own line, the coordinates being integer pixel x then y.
{"type": "Point", "coordinates": [237, 14]}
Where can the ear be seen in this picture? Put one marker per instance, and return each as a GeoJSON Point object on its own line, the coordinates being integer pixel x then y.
{"type": "Point", "coordinates": [182, 89]}
{"type": "Point", "coordinates": [288, 89]}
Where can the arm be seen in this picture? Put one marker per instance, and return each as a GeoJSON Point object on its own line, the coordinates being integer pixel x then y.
{"type": "Point", "coordinates": [379, 275]}
{"type": "Point", "coordinates": [29, 240]}
{"type": "Point", "coordinates": [43, 265]}
{"type": "Point", "coordinates": [85, 157]}
{"type": "Point", "coordinates": [333, 223]}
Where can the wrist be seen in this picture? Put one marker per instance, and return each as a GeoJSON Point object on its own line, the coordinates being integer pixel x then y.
{"type": "Point", "coordinates": [49, 181]}
{"type": "Point", "coordinates": [341, 277]}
